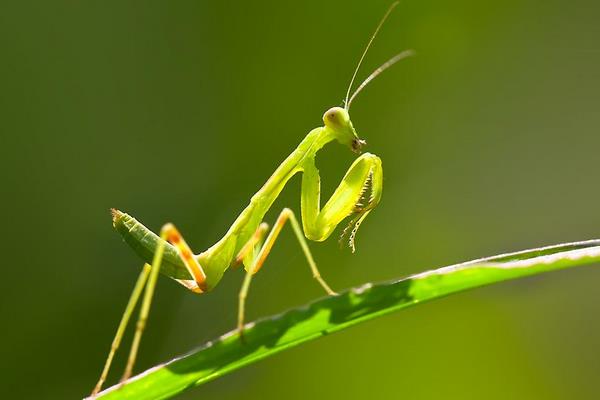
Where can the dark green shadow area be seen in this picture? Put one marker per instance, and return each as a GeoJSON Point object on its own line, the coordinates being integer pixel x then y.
{"type": "Point", "coordinates": [272, 335]}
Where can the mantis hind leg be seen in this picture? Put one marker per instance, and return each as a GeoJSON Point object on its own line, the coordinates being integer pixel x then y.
{"type": "Point", "coordinates": [147, 282]}
{"type": "Point", "coordinates": [171, 234]}
{"type": "Point", "coordinates": [257, 263]}
{"type": "Point", "coordinates": [133, 299]}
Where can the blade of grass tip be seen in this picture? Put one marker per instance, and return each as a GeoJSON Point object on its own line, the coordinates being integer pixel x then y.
{"type": "Point", "coordinates": [268, 336]}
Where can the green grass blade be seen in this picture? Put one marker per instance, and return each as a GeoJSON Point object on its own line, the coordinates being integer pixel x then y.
{"type": "Point", "coordinates": [269, 336]}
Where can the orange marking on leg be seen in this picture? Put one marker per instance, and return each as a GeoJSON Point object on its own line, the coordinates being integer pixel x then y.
{"type": "Point", "coordinates": [264, 252]}
{"type": "Point", "coordinates": [186, 254]}
{"type": "Point", "coordinates": [174, 237]}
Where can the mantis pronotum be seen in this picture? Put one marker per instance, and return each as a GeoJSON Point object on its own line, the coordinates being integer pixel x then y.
{"type": "Point", "coordinates": [247, 242]}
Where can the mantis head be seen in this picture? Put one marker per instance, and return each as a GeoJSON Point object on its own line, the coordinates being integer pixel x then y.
{"type": "Point", "coordinates": [337, 120]}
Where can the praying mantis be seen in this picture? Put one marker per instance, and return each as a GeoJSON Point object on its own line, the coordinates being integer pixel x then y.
{"type": "Point", "coordinates": [249, 241]}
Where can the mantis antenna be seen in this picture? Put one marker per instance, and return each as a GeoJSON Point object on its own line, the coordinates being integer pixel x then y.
{"type": "Point", "coordinates": [383, 67]}
{"type": "Point", "coordinates": [362, 57]}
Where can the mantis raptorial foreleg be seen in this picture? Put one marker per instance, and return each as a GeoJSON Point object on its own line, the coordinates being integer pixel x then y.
{"type": "Point", "coordinates": [357, 194]}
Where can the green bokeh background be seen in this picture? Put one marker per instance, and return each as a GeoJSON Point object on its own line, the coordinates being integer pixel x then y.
{"type": "Point", "coordinates": [178, 111]}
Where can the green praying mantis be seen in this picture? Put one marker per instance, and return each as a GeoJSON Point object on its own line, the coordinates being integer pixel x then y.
{"type": "Point", "coordinates": [249, 241]}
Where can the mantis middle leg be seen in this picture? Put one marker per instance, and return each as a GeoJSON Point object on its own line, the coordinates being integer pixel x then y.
{"type": "Point", "coordinates": [285, 215]}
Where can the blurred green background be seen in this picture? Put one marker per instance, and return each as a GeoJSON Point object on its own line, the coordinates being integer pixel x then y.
{"type": "Point", "coordinates": [178, 111]}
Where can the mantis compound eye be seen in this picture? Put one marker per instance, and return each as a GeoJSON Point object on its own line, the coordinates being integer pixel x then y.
{"type": "Point", "coordinates": [336, 118]}
{"type": "Point", "coordinates": [333, 117]}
